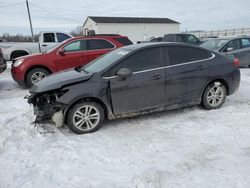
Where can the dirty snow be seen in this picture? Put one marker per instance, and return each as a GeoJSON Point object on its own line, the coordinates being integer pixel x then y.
{"type": "Point", "coordinates": [191, 147]}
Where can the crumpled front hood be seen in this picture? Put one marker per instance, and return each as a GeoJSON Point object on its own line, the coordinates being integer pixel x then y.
{"type": "Point", "coordinates": [56, 81]}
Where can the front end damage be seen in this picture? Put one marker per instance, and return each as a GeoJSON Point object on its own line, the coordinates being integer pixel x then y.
{"type": "Point", "coordinates": [46, 107]}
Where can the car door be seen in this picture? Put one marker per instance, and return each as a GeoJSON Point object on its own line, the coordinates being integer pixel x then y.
{"type": "Point", "coordinates": [186, 73]}
{"type": "Point", "coordinates": [245, 52]}
{"type": "Point", "coordinates": [233, 47]}
{"type": "Point", "coordinates": [145, 89]}
{"type": "Point", "coordinates": [95, 48]}
{"type": "Point", "coordinates": [49, 41]}
{"type": "Point", "coordinates": [71, 56]}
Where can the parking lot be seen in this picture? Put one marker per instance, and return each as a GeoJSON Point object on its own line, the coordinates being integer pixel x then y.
{"type": "Point", "coordinates": [190, 147]}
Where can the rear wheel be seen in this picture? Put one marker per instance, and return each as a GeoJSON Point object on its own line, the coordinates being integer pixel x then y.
{"type": "Point", "coordinates": [85, 117]}
{"type": "Point", "coordinates": [214, 95]}
{"type": "Point", "coordinates": [36, 75]}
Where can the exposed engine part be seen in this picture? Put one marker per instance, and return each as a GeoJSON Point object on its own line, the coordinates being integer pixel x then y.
{"type": "Point", "coordinates": [46, 107]}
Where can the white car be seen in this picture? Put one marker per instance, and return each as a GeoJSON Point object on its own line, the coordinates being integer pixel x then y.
{"type": "Point", "coordinates": [47, 40]}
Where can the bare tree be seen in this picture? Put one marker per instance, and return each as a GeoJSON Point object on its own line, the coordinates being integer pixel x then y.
{"type": "Point", "coordinates": [18, 38]}
{"type": "Point", "coordinates": [77, 31]}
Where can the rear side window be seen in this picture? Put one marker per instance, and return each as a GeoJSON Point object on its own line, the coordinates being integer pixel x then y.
{"type": "Point", "coordinates": [124, 41]}
{"type": "Point", "coordinates": [234, 45]}
{"type": "Point", "coordinates": [141, 60]}
{"type": "Point", "coordinates": [95, 44]}
{"type": "Point", "coordinates": [62, 37]}
{"type": "Point", "coordinates": [178, 54]}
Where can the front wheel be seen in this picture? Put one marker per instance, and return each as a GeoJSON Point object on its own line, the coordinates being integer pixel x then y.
{"type": "Point", "coordinates": [36, 75]}
{"type": "Point", "coordinates": [85, 117]}
{"type": "Point", "coordinates": [214, 95]}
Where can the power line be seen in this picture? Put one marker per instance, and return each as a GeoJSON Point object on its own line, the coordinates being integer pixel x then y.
{"type": "Point", "coordinates": [11, 4]}
{"type": "Point", "coordinates": [52, 13]}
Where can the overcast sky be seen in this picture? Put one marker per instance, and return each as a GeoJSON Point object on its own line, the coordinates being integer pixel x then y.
{"type": "Point", "coordinates": [66, 15]}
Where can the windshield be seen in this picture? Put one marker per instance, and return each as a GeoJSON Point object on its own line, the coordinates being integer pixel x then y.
{"type": "Point", "coordinates": [104, 61]}
{"type": "Point", "coordinates": [214, 44]}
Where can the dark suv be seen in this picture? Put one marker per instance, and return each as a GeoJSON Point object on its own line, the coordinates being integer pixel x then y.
{"type": "Point", "coordinates": [135, 80]}
{"type": "Point", "coordinates": [181, 37]}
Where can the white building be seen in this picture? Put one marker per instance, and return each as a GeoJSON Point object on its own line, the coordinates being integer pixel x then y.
{"type": "Point", "coordinates": [137, 29]}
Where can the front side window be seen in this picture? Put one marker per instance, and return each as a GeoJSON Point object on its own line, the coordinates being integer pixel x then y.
{"type": "Point", "coordinates": [49, 37]}
{"type": "Point", "coordinates": [95, 44]}
{"type": "Point", "coordinates": [232, 45]}
{"type": "Point", "coordinates": [73, 46]}
{"type": "Point", "coordinates": [179, 54]}
{"type": "Point", "coordinates": [62, 37]}
{"type": "Point", "coordinates": [142, 60]}
{"type": "Point", "coordinates": [191, 39]}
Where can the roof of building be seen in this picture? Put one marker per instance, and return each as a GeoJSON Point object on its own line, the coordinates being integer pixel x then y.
{"type": "Point", "coordinates": [131, 20]}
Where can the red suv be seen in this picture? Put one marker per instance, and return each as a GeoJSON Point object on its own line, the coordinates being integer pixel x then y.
{"type": "Point", "coordinates": [74, 52]}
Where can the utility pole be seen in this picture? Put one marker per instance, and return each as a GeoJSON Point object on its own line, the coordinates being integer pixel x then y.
{"type": "Point", "coordinates": [31, 28]}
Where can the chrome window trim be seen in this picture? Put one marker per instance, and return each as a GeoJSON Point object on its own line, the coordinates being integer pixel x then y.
{"type": "Point", "coordinates": [158, 68]}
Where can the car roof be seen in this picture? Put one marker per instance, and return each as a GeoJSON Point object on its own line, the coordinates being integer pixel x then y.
{"type": "Point", "coordinates": [99, 36]}
{"type": "Point", "coordinates": [158, 44]}
{"type": "Point", "coordinates": [233, 37]}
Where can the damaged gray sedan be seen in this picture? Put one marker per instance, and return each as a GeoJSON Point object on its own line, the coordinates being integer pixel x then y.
{"type": "Point", "coordinates": [134, 80]}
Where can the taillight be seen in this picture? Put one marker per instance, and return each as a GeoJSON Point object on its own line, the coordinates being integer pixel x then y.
{"type": "Point", "coordinates": [236, 62]}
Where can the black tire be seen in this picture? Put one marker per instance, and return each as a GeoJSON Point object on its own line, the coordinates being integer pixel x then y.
{"type": "Point", "coordinates": [36, 71]}
{"type": "Point", "coordinates": [214, 95]}
{"type": "Point", "coordinates": [86, 124]}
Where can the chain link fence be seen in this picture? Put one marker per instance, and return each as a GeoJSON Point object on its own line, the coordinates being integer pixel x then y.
{"type": "Point", "coordinates": [219, 33]}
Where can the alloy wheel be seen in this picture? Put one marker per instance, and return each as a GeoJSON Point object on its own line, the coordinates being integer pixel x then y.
{"type": "Point", "coordinates": [37, 76]}
{"type": "Point", "coordinates": [215, 95]}
{"type": "Point", "coordinates": [86, 117]}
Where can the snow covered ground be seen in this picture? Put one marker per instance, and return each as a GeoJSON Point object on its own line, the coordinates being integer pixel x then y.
{"type": "Point", "coordinates": [191, 147]}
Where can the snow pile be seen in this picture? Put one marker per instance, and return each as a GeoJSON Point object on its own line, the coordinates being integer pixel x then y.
{"type": "Point", "coordinates": [191, 147]}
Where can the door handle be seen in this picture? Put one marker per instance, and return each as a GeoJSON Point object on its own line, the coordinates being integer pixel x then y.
{"type": "Point", "coordinates": [201, 67]}
{"type": "Point", "coordinates": [44, 45]}
{"type": "Point", "coordinates": [156, 77]}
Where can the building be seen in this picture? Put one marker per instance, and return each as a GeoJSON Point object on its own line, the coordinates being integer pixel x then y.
{"type": "Point", "coordinates": [137, 29]}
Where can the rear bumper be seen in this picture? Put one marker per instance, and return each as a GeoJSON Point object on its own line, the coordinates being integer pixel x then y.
{"type": "Point", "coordinates": [3, 65]}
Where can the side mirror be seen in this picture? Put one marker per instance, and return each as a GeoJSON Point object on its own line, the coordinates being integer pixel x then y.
{"type": "Point", "coordinates": [61, 52]}
{"type": "Point", "coordinates": [124, 73]}
{"type": "Point", "coordinates": [229, 49]}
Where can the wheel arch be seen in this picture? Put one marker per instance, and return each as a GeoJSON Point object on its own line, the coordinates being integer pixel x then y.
{"type": "Point", "coordinates": [223, 81]}
{"type": "Point", "coordinates": [17, 51]}
{"type": "Point", "coordinates": [89, 99]}
{"type": "Point", "coordinates": [33, 67]}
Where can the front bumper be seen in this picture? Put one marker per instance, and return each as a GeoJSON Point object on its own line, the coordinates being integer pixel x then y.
{"type": "Point", "coordinates": [49, 114]}
{"type": "Point", "coordinates": [3, 65]}
{"type": "Point", "coordinates": [17, 75]}
{"type": "Point", "coordinates": [47, 109]}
